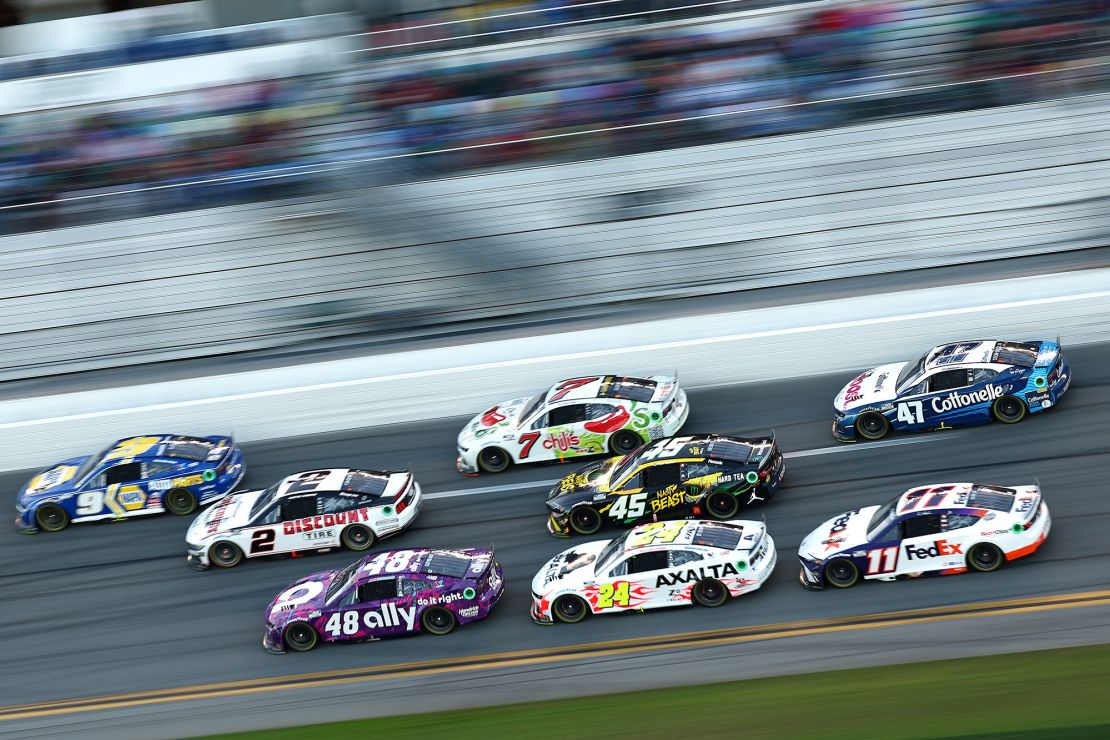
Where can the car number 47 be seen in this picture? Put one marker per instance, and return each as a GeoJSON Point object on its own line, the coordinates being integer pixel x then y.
{"type": "Point", "coordinates": [911, 412]}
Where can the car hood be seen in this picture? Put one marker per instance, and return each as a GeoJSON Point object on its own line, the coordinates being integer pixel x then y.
{"type": "Point", "coordinates": [56, 478]}
{"type": "Point", "coordinates": [294, 601]}
{"type": "Point", "coordinates": [502, 417]}
{"type": "Point", "coordinates": [230, 512]}
{"type": "Point", "coordinates": [573, 566]}
{"type": "Point", "coordinates": [874, 386]}
{"type": "Point", "coordinates": [842, 532]}
{"type": "Point", "coordinates": [593, 478]}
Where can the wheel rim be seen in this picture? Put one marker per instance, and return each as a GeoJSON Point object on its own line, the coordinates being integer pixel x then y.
{"type": "Point", "coordinates": [840, 571]}
{"type": "Point", "coordinates": [586, 520]}
{"type": "Point", "coordinates": [357, 536]}
{"type": "Point", "coordinates": [51, 517]}
{"type": "Point", "coordinates": [299, 634]}
{"type": "Point", "coordinates": [711, 592]}
{"type": "Point", "coordinates": [722, 504]}
{"type": "Point", "coordinates": [570, 608]}
{"type": "Point", "coordinates": [225, 553]}
{"type": "Point", "coordinates": [1010, 408]}
{"type": "Point", "coordinates": [871, 424]}
{"type": "Point", "coordinates": [439, 620]}
{"type": "Point", "coordinates": [624, 443]}
{"type": "Point", "coordinates": [985, 557]}
{"type": "Point", "coordinates": [494, 459]}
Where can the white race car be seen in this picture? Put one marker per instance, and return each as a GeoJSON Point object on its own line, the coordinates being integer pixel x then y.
{"type": "Point", "coordinates": [927, 531]}
{"type": "Point", "coordinates": [593, 415]}
{"type": "Point", "coordinates": [654, 565]}
{"type": "Point", "coordinates": [314, 510]}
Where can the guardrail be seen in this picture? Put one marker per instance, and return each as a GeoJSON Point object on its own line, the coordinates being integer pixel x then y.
{"type": "Point", "coordinates": [870, 199]}
{"type": "Point", "coordinates": [740, 347]}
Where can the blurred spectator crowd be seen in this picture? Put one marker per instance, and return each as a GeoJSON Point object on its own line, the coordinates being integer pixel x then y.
{"type": "Point", "coordinates": [721, 78]}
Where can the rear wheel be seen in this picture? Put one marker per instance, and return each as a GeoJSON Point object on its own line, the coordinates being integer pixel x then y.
{"type": "Point", "coordinates": [493, 460]}
{"type": "Point", "coordinates": [51, 518]}
{"type": "Point", "coordinates": [872, 425]}
{"type": "Point", "coordinates": [985, 557]}
{"type": "Point", "coordinates": [710, 592]}
{"type": "Point", "coordinates": [225, 554]}
{"type": "Point", "coordinates": [624, 441]}
{"type": "Point", "coordinates": [585, 520]}
{"type": "Point", "coordinates": [722, 505]}
{"type": "Point", "coordinates": [570, 609]}
{"type": "Point", "coordinates": [357, 537]}
{"type": "Point", "coordinates": [180, 501]}
{"type": "Point", "coordinates": [1008, 409]}
{"type": "Point", "coordinates": [842, 573]}
{"type": "Point", "coordinates": [300, 636]}
{"type": "Point", "coordinates": [438, 620]}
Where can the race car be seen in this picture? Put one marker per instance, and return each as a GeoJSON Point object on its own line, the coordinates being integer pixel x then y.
{"type": "Point", "coordinates": [581, 416]}
{"type": "Point", "coordinates": [313, 510]}
{"type": "Point", "coordinates": [927, 531]}
{"type": "Point", "coordinates": [132, 477]}
{"type": "Point", "coordinates": [667, 479]}
{"type": "Point", "coordinates": [952, 385]}
{"type": "Point", "coordinates": [654, 565]}
{"type": "Point", "coordinates": [389, 593]}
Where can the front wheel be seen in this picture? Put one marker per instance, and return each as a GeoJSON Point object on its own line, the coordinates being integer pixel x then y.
{"type": "Point", "coordinates": [1008, 409]}
{"type": "Point", "coordinates": [494, 460]}
{"type": "Point", "coordinates": [585, 520]}
{"type": "Point", "coordinates": [570, 609]}
{"type": "Point", "coordinates": [438, 621]}
{"type": "Point", "coordinates": [710, 592]}
{"type": "Point", "coordinates": [872, 425]}
{"type": "Point", "coordinates": [357, 537]}
{"type": "Point", "coordinates": [842, 573]}
{"type": "Point", "coordinates": [624, 442]}
{"type": "Point", "coordinates": [300, 636]}
{"type": "Point", "coordinates": [51, 518]}
{"type": "Point", "coordinates": [225, 554]}
{"type": "Point", "coordinates": [180, 501]}
{"type": "Point", "coordinates": [985, 557]}
{"type": "Point", "coordinates": [722, 505]}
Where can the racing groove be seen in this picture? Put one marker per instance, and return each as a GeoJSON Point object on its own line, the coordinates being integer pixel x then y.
{"type": "Point", "coordinates": [107, 609]}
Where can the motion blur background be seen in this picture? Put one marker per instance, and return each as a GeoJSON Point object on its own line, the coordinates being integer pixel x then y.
{"type": "Point", "coordinates": [200, 179]}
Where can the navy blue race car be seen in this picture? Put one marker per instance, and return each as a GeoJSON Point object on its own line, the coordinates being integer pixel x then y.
{"type": "Point", "coordinates": [133, 477]}
{"type": "Point", "coordinates": [953, 385]}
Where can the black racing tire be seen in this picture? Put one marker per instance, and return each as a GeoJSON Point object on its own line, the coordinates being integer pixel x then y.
{"type": "Point", "coordinates": [180, 501]}
{"type": "Point", "coordinates": [224, 554]}
{"type": "Point", "coordinates": [709, 592]}
{"type": "Point", "coordinates": [1009, 409]}
{"type": "Point", "coordinates": [438, 621]}
{"type": "Point", "coordinates": [872, 425]}
{"type": "Point", "coordinates": [624, 442]}
{"type": "Point", "coordinates": [570, 609]}
{"type": "Point", "coordinates": [841, 573]}
{"type": "Point", "coordinates": [51, 518]}
{"type": "Point", "coordinates": [585, 520]}
{"type": "Point", "coordinates": [494, 460]}
{"type": "Point", "coordinates": [300, 636]}
{"type": "Point", "coordinates": [721, 504]}
{"type": "Point", "coordinates": [985, 558]}
{"type": "Point", "coordinates": [357, 537]}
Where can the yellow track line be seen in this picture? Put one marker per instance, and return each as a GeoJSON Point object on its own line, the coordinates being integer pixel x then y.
{"type": "Point", "coordinates": [628, 646]}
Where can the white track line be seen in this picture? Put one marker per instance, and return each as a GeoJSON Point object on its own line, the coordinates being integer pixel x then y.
{"type": "Point", "coordinates": [800, 453]}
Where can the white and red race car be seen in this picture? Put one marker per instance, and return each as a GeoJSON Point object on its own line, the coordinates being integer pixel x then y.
{"type": "Point", "coordinates": [313, 510]}
{"type": "Point", "coordinates": [926, 531]}
{"type": "Point", "coordinates": [591, 415]}
{"type": "Point", "coordinates": [654, 565]}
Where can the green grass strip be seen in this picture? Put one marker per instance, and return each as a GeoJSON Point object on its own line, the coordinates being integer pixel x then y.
{"type": "Point", "coordinates": [1058, 694]}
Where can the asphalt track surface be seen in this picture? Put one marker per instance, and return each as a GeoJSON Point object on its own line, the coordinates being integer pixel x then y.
{"type": "Point", "coordinates": [111, 609]}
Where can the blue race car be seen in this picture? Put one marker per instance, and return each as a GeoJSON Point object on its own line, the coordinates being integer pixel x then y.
{"type": "Point", "coordinates": [953, 385]}
{"type": "Point", "coordinates": [134, 476]}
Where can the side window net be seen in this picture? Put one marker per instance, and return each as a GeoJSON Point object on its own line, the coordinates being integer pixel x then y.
{"type": "Point", "coordinates": [383, 588]}
{"type": "Point", "coordinates": [661, 476]}
{"type": "Point", "coordinates": [299, 508]}
{"type": "Point", "coordinates": [566, 415]}
{"type": "Point", "coordinates": [645, 561]}
{"type": "Point", "coordinates": [948, 380]}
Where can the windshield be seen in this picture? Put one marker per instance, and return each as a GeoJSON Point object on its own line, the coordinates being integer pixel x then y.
{"type": "Point", "coordinates": [89, 465]}
{"type": "Point", "coordinates": [264, 500]}
{"type": "Point", "coordinates": [910, 372]}
{"type": "Point", "coordinates": [341, 579]}
{"type": "Point", "coordinates": [623, 466]}
{"type": "Point", "coordinates": [883, 518]}
{"type": "Point", "coordinates": [534, 404]}
{"type": "Point", "coordinates": [608, 554]}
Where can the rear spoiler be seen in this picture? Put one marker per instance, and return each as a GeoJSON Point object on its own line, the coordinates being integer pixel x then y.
{"type": "Point", "coordinates": [1045, 358]}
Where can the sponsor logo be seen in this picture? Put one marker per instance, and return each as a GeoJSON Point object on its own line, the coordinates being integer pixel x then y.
{"type": "Point", "coordinates": [323, 521]}
{"type": "Point", "coordinates": [937, 549]}
{"type": "Point", "coordinates": [318, 534]}
{"type": "Point", "coordinates": [440, 599]}
{"type": "Point", "coordinates": [956, 400]}
{"type": "Point", "coordinates": [994, 532]}
{"type": "Point", "coordinates": [852, 392]}
{"type": "Point", "coordinates": [564, 442]}
{"type": "Point", "coordinates": [218, 513]}
{"type": "Point", "coordinates": [696, 574]}
{"type": "Point", "coordinates": [880, 380]}
{"type": "Point", "coordinates": [667, 498]}
{"type": "Point", "coordinates": [469, 611]}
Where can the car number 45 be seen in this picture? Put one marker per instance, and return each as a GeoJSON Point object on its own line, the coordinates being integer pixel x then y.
{"type": "Point", "coordinates": [628, 507]}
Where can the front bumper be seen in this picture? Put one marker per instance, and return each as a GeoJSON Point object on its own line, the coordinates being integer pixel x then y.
{"type": "Point", "coordinates": [23, 527]}
{"type": "Point", "coordinates": [197, 559]}
{"type": "Point", "coordinates": [464, 467]}
{"type": "Point", "coordinates": [810, 576]}
{"type": "Point", "coordinates": [844, 429]}
{"type": "Point", "coordinates": [537, 614]}
{"type": "Point", "coordinates": [557, 529]}
{"type": "Point", "coordinates": [273, 643]}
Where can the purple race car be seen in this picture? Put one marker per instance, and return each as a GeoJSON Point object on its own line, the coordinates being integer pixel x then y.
{"type": "Point", "coordinates": [397, 592]}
